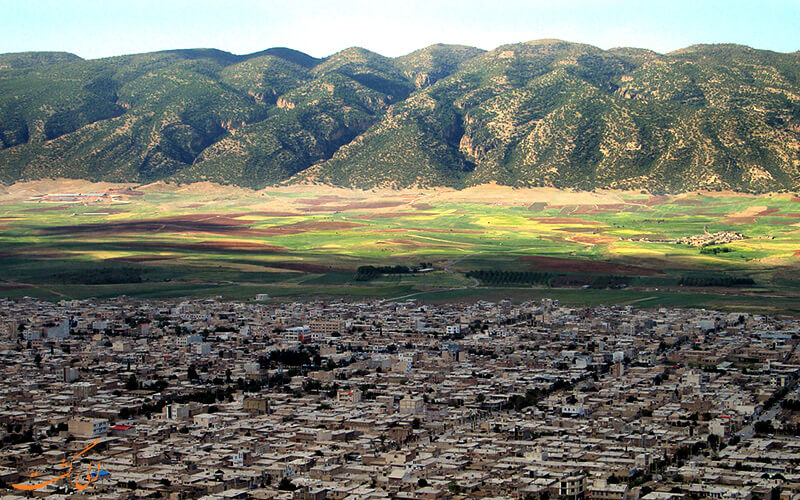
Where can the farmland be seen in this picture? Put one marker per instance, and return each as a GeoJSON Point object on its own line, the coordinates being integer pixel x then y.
{"type": "Point", "coordinates": [167, 240]}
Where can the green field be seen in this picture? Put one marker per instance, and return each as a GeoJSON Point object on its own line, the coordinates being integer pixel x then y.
{"type": "Point", "coordinates": [304, 242]}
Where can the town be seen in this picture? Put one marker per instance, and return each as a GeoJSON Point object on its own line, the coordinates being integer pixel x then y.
{"type": "Point", "coordinates": [214, 399]}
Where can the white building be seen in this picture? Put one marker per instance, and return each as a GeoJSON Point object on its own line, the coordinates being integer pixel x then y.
{"type": "Point", "coordinates": [573, 410]}
{"type": "Point", "coordinates": [175, 412]}
{"type": "Point", "coordinates": [187, 340]}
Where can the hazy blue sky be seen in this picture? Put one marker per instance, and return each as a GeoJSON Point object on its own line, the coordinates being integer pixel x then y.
{"type": "Point", "coordinates": [97, 28]}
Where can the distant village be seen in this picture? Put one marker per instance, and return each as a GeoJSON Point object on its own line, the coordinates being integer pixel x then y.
{"type": "Point", "coordinates": [214, 399]}
{"type": "Point", "coordinates": [115, 196]}
{"type": "Point", "coordinates": [700, 240]}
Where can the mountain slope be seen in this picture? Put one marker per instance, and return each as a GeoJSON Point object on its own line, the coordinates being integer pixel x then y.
{"type": "Point", "coordinates": [545, 112]}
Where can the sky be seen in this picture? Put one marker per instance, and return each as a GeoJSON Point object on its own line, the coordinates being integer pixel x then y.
{"type": "Point", "coordinates": [101, 28]}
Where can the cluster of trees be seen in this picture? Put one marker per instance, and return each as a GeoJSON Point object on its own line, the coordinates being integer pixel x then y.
{"type": "Point", "coordinates": [790, 404]}
{"type": "Point", "coordinates": [101, 276]}
{"type": "Point", "coordinates": [286, 358]}
{"type": "Point", "coordinates": [209, 397]}
{"type": "Point", "coordinates": [715, 280]}
{"type": "Point", "coordinates": [518, 402]}
{"type": "Point", "coordinates": [764, 427]}
{"type": "Point", "coordinates": [15, 434]}
{"type": "Point", "coordinates": [157, 385]}
{"type": "Point", "coordinates": [715, 250]}
{"type": "Point", "coordinates": [367, 273]}
{"type": "Point", "coordinates": [684, 452]}
{"type": "Point", "coordinates": [776, 396]}
{"type": "Point", "coordinates": [312, 386]}
{"type": "Point", "coordinates": [497, 277]}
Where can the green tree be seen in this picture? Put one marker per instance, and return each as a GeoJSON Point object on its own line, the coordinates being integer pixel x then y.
{"type": "Point", "coordinates": [286, 485]}
{"type": "Point", "coordinates": [713, 441]}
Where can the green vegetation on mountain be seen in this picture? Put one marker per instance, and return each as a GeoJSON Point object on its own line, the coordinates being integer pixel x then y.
{"type": "Point", "coordinates": [546, 112]}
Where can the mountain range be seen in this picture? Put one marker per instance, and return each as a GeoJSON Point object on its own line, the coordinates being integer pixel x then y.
{"type": "Point", "coordinates": [539, 113]}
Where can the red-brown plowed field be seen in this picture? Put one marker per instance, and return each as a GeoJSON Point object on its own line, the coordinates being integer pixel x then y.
{"type": "Point", "coordinates": [391, 215]}
{"type": "Point", "coordinates": [199, 223]}
{"type": "Point", "coordinates": [211, 246]}
{"type": "Point", "coordinates": [563, 220]}
{"type": "Point", "coordinates": [361, 205]}
{"type": "Point", "coordinates": [582, 229]}
{"type": "Point", "coordinates": [446, 231]}
{"type": "Point", "coordinates": [585, 266]}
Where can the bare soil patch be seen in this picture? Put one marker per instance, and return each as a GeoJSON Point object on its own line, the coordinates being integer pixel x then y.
{"type": "Point", "coordinates": [593, 239]}
{"type": "Point", "coordinates": [753, 211]}
{"type": "Point", "coordinates": [687, 201]}
{"type": "Point", "coordinates": [582, 229]}
{"type": "Point", "coordinates": [13, 287]}
{"type": "Point", "coordinates": [655, 200]}
{"type": "Point", "coordinates": [361, 205]}
{"type": "Point", "coordinates": [302, 266]}
{"type": "Point", "coordinates": [748, 215]}
{"type": "Point", "coordinates": [606, 208]}
{"type": "Point", "coordinates": [305, 227]}
{"type": "Point", "coordinates": [321, 200]}
{"type": "Point", "coordinates": [585, 266]}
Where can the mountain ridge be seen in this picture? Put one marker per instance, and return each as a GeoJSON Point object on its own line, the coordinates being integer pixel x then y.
{"type": "Point", "coordinates": [537, 113]}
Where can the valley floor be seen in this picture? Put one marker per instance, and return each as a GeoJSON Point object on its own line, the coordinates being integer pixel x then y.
{"type": "Point", "coordinates": [72, 239]}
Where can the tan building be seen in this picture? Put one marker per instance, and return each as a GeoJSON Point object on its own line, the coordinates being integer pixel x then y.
{"type": "Point", "coordinates": [88, 427]}
{"type": "Point", "coordinates": [602, 490]}
{"type": "Point", "coordinates": [412, 404]}
{"type": "Point", "coordinates": [326, 327]}
{"type": "Point", "coordinates": [258, 406]}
